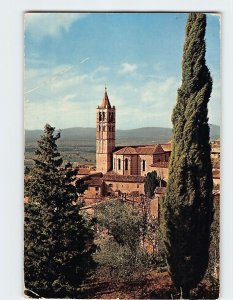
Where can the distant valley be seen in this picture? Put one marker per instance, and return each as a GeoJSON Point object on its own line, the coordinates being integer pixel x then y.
{"type": "Point", "coordinates": [78, 144]}
{"type": "Point", "coordinates": [145, 135]}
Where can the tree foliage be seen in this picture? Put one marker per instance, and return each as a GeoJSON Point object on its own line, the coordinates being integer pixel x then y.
{"type": "Point", "coordinates": [26, 170]}
{"type": "Point", "coordinates": [187, 208]}
{"type": "Point", "coordinates": [151, 182]}
{"type": "Point", "coordinates": [120, 230]}
{"type": "Point", "coordinates": [214, 252]}
{"type": "Point", "coordinates": [58, 239]}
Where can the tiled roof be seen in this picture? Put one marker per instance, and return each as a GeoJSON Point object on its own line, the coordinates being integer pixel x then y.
{"type": "Point", "coordinates": [216, 174]}
{"type": "Point", "coordinates": [144, 150]}
{"type": "Point", "coordinates": [83, 171]}
{"type": "Point", "coordinates": [90, 176]}
{"type": "Point", "coordinates": [158, 149]}
{"type": "Point", "coordinates": [215, 150]}
{"type": "Point", "coordinates": [26, 199]}
{"type": "Point", "coordinates": [147, 150]}
{"type": "Point", "coordinates": [123, 178]}
{"type": "Point", "coordinates": [95, 181]}
{"type": "Point", "coordinates": [167, 147]}
{"type": "Point", "coordinates": [126, 150]}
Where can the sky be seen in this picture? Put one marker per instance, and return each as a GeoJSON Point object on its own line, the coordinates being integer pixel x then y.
{"type": "Point", "coordinates": [69, 57]}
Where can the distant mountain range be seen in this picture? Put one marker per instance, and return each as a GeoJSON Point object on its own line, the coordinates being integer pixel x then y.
{"type": "Point", "coordinates": [145, 135]}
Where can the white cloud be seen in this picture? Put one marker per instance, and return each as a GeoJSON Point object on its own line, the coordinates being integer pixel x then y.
{"type": "Point", "coordinates": [160, 92]}
{"type": "Point", "coordinates": [70, 99]}
{"type": "Point", "coordinates": [127, 68]}
{"type": "Point", "coordinates": [214, 105]}
{"type": "Point", "coordinates": [62, 112]}
{"type": "Point", "coordinates": [50, 24]}
{"type": "Point", "coordinates": [63, 96]}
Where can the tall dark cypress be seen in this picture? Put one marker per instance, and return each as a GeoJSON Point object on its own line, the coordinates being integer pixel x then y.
{"type": "Point", "coordinates": [57, 238]}
{"type": "Point", "coordinates": [187, 208]}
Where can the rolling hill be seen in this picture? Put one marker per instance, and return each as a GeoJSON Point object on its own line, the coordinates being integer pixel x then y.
{"type": "Point", "coordinates": [145, 135]}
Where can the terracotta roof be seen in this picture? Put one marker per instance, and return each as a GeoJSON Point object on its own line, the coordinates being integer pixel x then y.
{"type": "Point", "coordinates": [126, 150]}
{"type": "Point", "coordinates": [90, 176]}
{"type": "Point", "coordinates": [96, 181]}
{"type": "Point", "coordinates": [215, 150]}
{"type": "Point", "coordinates": [159, 149]}
{"type": "Point", "coordinates": [167, 147]}
{"type": "Point", "coordinates": [216, 174]}
{"type": "Point", "coordinates": [123, 178]}
{"type": "Point", "coordinates": [144, 150]}
{"type": "Point", "coordinates": [83, 171]}
{"type": "Point", "coordinates": [160, 164]}
{"type": "Point", "coordinates": [147, 150]}
{"type": "Point", "coordinates": [105, 100]}
{"type": "Point", "coordinates": [26, 199]}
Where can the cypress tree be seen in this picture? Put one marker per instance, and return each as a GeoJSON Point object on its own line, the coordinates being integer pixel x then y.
{"type": "Point", "coordinates": [187, 208]}
{"type": "Point", "coordinates": [58, 240]}
{"type": "Point", "coordinates": [151, 182]}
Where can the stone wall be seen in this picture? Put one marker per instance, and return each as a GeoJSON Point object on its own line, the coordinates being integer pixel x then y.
{"type": "Point", "coordinates": [124, 187]}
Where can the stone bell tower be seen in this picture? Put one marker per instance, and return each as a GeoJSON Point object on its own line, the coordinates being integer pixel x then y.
{"type": "Point", "coordinates": [105, 134]}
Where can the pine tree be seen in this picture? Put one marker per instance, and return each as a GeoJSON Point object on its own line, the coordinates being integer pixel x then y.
{"type": "Point", "coordinates": [58, 240]}
{"type": "Point", "coordinates": [187, 209]}
{"type": "Point", "coordinates": [151, 182]}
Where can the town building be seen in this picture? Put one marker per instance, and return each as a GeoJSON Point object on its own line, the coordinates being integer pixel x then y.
{"type": "Point", "coordinates": [122, 168]}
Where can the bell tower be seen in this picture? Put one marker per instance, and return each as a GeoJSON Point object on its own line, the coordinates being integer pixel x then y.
{"type": "Point", "coordinates": [105, 134]}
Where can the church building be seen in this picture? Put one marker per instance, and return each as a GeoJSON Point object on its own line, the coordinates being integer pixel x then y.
{"type": "Point", "coordinates": [123, 168]}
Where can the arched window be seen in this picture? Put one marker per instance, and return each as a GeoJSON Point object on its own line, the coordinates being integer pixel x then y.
{"type": "Point", "coordinates": [126, 164]}
{"type": "Point", "coordinates": [143, 165]}
{"type": "Point", "coordinates": [100, 116]}
{"type": "Point", "coordinates": [103, 115]}
{"type": "Point", "coordinates": [119, 164]}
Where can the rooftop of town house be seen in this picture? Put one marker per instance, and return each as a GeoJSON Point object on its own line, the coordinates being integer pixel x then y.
{"type": "Point", "coordinates": [85, 165]}
{"type": "Point", "coordinates": [216, 174]}
{"type": "Point", "coordinates": [167, 147]}
{"type": "Point", "coordinates": [215, 150]}
{"type": "Point", "coordinates": [94, 181]}
{"type": "Point", "coordinates": [83, 171]}
{"type": "Point", "coordinates": [110, 176]}
{"type": "Point", "coordinates": [91, 175]}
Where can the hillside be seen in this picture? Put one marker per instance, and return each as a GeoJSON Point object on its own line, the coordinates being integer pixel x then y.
{"type": "Point", "coordinates": [145, 135]}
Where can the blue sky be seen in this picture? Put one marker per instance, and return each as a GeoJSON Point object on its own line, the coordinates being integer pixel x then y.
{"type": "Point", "coordinates": [69, 57]}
